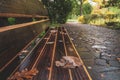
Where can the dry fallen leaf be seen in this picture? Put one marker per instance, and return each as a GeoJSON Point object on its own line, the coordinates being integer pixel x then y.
{"type": "Point", "coordinates": [24, 74]}
{"type": "Point", "coordinates": [68, 62]}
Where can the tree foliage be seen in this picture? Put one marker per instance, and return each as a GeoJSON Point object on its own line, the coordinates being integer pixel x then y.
{"type": "Point", "coordinates": [114, 3]}
{"type": "Point", "coordinates": [58, 10]}
{"type": "Point", "coordinates": [86, 8]}
{"type": "Point", "coordinates": [75, 9]}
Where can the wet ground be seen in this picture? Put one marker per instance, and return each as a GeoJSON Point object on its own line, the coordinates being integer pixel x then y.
{"type": "Point", "coordinates": [99, 48]}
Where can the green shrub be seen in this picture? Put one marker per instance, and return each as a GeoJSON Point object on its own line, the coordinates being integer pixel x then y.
{"type": "Point", "coordinates": [87, 8]}
{"type": "Point", "coordinates": [94, 16]}
{"type": "Point", "coordinates": [110, 23]}
{"type": "Point", "coordinates": [84, 19]}
{"type": "Point", "coordinates": [87, 19]}
{"type": "Point", "coordinates": [113, 25]}
{"type": "Point", "coordinates": [109, 15]}
{"type": "Point", "coordinates": [81, 19]}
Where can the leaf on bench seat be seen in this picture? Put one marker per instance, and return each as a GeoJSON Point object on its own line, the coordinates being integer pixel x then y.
{"type": "Point", "coordinates": [24, 74]}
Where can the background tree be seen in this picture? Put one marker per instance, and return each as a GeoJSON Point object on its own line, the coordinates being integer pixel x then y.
{"type": "Point", "coordinates": [86, 8]}
{"type": "Point", "coordinates": [75, 9]}
{"type": "Point", "coordinates": [81, 3]}
{"type": "Point", "coordinates": [58, 10]}
{"type": "Point", "coordinates": [114, 3]}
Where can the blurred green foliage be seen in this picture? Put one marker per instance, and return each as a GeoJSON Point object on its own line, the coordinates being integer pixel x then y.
{"type": "Point", "coordinates": [58, 10]}
{"type": "Point", "coordinates": [11, 21]}
{"type": "Point", "coordinates": [86, 9]}
{"type": "Point", "coordinates": [42, 34]}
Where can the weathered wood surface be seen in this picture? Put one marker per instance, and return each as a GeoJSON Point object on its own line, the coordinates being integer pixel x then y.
{"type": "Point", "coordinates": [51, 48]}
{"type": "Point", "coordinates": [6, 28]}
{"type": "Point", "coordinates": [22, 7]}
{"type": "Point", "coordinates": [14, 38]}
{"type": "Point", "coordinates": [25, 10]}
{"type": "Point", "coordinates": [21, 15]}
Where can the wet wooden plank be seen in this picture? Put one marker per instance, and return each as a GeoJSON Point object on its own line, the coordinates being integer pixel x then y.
{"type": "Point", "coordinates": [44, 60]}
{"type": "Point", "coordinates": [6, 28]}
{"type": "Point", "coordinates": [21, 15]}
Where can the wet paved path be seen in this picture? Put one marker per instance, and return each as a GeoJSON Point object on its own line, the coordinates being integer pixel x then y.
{"type": "Point", "coordinates": [99, 48]}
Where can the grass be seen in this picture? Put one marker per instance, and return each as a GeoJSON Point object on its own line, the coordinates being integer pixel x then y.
{"type": "Point", "coordinates": [72, 20]}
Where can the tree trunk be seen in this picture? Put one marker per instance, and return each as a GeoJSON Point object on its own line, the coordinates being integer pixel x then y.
{"type": "Point", "coordinates": [81, 2]}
